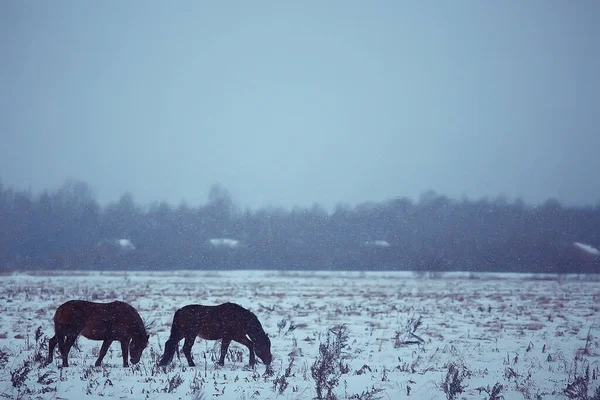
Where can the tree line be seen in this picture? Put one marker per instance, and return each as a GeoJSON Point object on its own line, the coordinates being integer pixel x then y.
{"type": "Point", "coordinates": [68, 229]}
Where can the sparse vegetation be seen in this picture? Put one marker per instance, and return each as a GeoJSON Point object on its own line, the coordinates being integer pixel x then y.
{"type": "Point", "coordinates": [173, 383]}
{"type": "Point", "coordinates": [408, 335]}
{"type": "Point", "coordinates": [281, 382]}
{"type": "Point", "coordinates": [18, 376]}
{"type": "Point", "coordinates": [329, 365]}
{"type": "Point", "coordinates": [372, 393]}
{"type": "Point", "coordinates": [3, 358]}
{"type": "Point", "coordinates": [578, 388]}
{"type": "Point", "coordinates": [461, 342]}
{"type": "Point", "coordinates": [494, 393]}
{"type": "Point", "coordinates": [452, 384]}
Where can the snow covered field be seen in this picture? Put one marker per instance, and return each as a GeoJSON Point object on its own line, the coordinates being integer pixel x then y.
{"type": "Point", "coordinates": [407, 336]}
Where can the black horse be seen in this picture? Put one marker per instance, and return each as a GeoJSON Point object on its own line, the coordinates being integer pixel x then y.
{"type": "Point", "coordinates": [226, 321]}
{"type": "Point", "coordinates": [98, 321]}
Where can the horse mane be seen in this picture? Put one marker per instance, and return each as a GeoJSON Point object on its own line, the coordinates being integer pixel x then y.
{"type": "Point", "coordinates": [256, 327]}
{"type": "Point", "coordinates": [139, 321]}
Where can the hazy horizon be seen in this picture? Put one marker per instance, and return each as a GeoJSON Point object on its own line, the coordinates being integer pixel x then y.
{"type": "Point", "coordinates": [329, 208]}
{"type": "Point", "coordinates": [289, 104]}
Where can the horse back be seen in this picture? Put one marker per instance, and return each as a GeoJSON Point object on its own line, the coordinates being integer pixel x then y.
{"type": "Point", "coordinates": [73, 312]}
{"type": "Point", "coordinates": [123, 311]}
{"type": "Point", "coordinates": [215, 322]}
{"type": "Point", "coordinates": [96, 321]}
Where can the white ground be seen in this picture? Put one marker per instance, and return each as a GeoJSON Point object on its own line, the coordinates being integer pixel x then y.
{"type": "Point", "coordinates": [528, 334]}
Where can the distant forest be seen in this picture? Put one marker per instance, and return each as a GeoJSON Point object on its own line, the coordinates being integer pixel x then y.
{"type": "Point", "coordinates": [68, 229]}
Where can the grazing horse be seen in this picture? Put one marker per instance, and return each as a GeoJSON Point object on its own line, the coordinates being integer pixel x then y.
{"type": "Point", "coordinates": [226, 321]}
{"type": "Point", "coordinates": [98, 321]}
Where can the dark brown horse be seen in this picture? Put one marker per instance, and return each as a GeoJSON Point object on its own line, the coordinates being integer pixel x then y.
{"type": "Point", "coordinates": [98, 321]}
{"type": "Point", "coordinates": [227, 322]}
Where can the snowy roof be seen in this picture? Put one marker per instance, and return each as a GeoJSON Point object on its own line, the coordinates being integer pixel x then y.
{"type": "Point", "coordinates": [125, 244]}
{"type": "Point", "coordinates": [587, 248]}
{"type": "Point", "coordinates": [224, 242]}
{"type": "Point", "coordinates": [378, 243]}
{"type": "Point", "coordinates": [120, 244]}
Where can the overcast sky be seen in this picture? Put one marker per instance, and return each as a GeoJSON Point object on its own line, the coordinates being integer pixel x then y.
{"type": "Point", "coordinates": [294, 102]}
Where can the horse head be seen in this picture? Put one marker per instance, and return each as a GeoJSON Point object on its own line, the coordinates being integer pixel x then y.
{"type": "Point", "coordinates": [137, 346]}
{"type": "Point", "coordinates": [262, 348]}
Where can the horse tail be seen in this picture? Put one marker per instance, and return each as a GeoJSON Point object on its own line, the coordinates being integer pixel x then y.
{"type": "Point", "coordinates": [172, 344]}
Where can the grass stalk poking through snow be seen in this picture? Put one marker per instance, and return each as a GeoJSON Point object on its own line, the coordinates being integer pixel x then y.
{"type": "Point", "coordinates": [329, 367]}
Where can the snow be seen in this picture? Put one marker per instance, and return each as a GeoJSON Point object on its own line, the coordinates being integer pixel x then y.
{"type": "Point", "coordinates": [125, 245]}
{"type": "Point", "coordinates": [224, 242]}
{"type": "Point", "coordinates": [378, 243]}
{"type": "Point", "coordinates": [587, 248]}
{"type": "Point", "coordinates": [526, 332]}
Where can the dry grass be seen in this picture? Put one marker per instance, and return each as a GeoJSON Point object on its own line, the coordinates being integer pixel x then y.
{"type": "Point", "coordinates": [487, 324]}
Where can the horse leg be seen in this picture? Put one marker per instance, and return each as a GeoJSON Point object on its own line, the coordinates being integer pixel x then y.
{"type": "Point", "coordinates": [187, 349]}
{"type": "Point", "coordinates": [248, 343]}
{"type": "Point", "coordinates": [105, 345]}
{"type": "Point", "coordinates": [171, 346]}
{"type": "Point", "coordinates": [51, 346]}
{"type": "Point", "coordinates": [125, 351]}
{"type": "Point", "coordinates": [224, 346]}
{"type": "Point", "coordinates": [63, 348]}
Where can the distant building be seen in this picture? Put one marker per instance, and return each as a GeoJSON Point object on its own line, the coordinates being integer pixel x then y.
{"type": "Point", "coordinates": [580, 257]}
{"type": "Point", "coordinates": [121, 245]}
{"type": "Point", "coordinates": [224, 243]}
{"type": "Point", "coordinates": [587, 249]}
{"type": "Point", "coordinates": [125, 245]}
{"type": "Point", "coordinates": [377, 243]}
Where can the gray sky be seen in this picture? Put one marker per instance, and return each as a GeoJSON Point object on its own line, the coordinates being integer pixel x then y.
{"type": "Point", "coordinates": [289, 103]}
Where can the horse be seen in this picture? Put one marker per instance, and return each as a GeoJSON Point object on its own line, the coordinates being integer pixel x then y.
{"type": "Point", "coordinates": [227, 322]}
{"type": "Point", "coordinates": [98, 321]}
